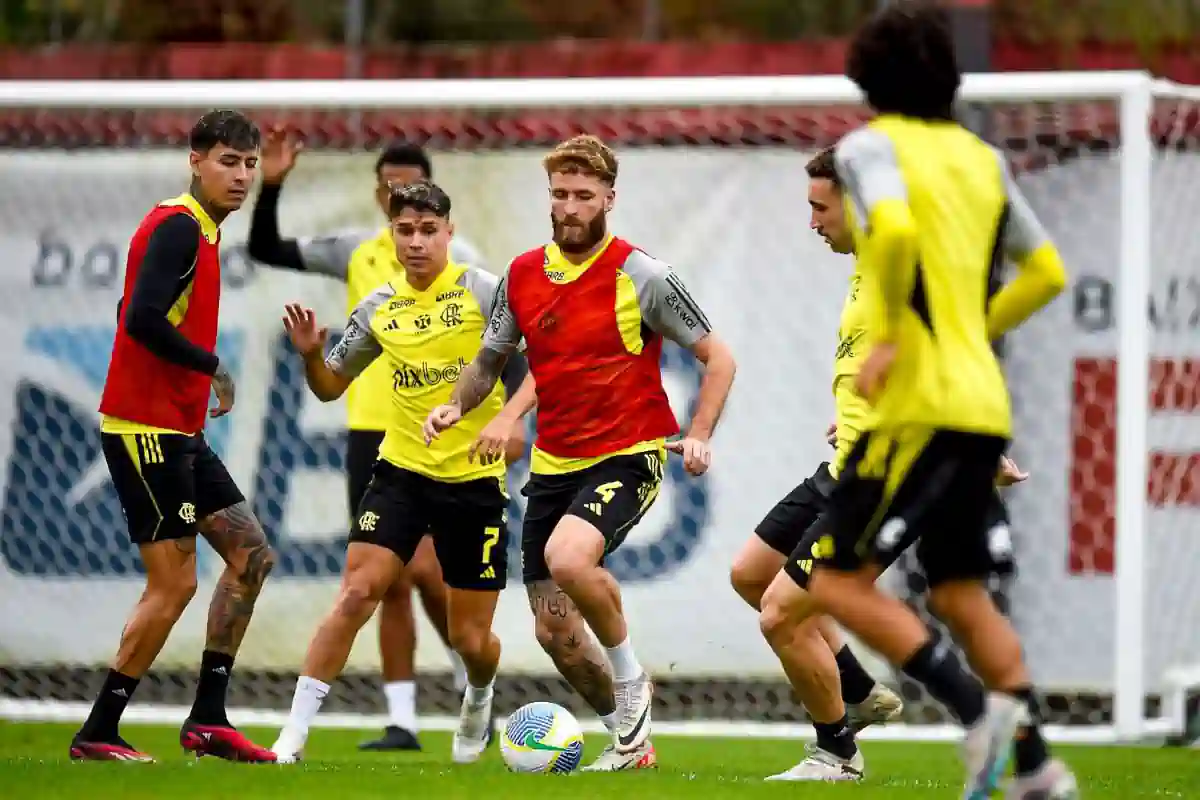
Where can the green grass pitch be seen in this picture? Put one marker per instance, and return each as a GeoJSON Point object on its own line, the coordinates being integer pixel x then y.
{"type": "Point", "coordinates": [34, 764]}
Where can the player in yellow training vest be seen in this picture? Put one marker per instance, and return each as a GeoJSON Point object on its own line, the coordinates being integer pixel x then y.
{"type": "Point", "coordinates": [424, 325]}
{"type": "Point", "coordinates": [365, 259]}
{"type": "Point", "coordinates": [938, 212]}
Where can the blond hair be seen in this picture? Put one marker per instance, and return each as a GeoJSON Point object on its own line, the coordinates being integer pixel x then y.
{"type": "Point", "coordinates": [586, 155]}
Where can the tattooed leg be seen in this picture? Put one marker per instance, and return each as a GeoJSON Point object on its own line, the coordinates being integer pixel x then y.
{"type": "Point", "coordinates": [563, 635]}
{"type": "Point", "coordinates": [236, 535]}
{"type": "Point", "coordinates": [238, 538]}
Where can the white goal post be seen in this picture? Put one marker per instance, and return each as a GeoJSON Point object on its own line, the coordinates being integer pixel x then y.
{"type": "Point", "coordinates": [1107, 401]}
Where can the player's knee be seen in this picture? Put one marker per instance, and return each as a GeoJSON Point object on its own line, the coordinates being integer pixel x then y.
{"type": "Point", "coordinates": [748, 582]}
{"type": "Point", "coordinates": [170, 599]}
{"type": "Point", "coordinates": [567, 567]}
{"type": "Point", "coordinates": [469, 638]}
{"type": "Point", "coordinates": [398, 594]}
{"type": "Point", "coordinates": [358, 599]}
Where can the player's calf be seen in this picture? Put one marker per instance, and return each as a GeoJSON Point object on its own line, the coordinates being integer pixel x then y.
{"type": "Point", "coordinates": [370, 570]}
{"type": "Point", "coordinates": [470, 628]}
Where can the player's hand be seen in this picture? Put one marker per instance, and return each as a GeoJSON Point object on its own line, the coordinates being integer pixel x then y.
{"type": "Point", "coordinates": [831, 434]}
{"type": "Point", "coordinates": [873, 373]}
{"type": "Point", "coordinates": [440, 419]}
{"type": "Point", "coordinates": [222, 384]}
{"type": "Point", "coordinates": [1009, 473]}
{"type": "Point", "coordinates": [492, 443]}
{"type": "Point", "coordinates": [301, 326]}
{"type": "Point", "coordinates": [278, 155]}
{"type": "Point", "coordinates": [697, 455]}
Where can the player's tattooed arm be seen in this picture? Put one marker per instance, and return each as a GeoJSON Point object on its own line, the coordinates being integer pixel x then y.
{"type": "Point", "coordinates": [561, 632]}
{"type": "Point", "coordinates": [237, 537]}
{"type": "Point", "coordinates": [479, 379]}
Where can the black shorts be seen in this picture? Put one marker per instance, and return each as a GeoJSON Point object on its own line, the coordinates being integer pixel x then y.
{"type": "Point", "coordinates": [362, 450]}
{"type": "Point", "coordinates": [167, 483]}
{"type": "Point", "coordinates": [932, 488]}
{"type": "Point", "coordinates": [612, 495]}
{"type": "Point", "coordinates": [468, 522]}
{"type": "Point", "coordinates": [786, 523]}
{"type": "Point", "coordinates": [810, 548]}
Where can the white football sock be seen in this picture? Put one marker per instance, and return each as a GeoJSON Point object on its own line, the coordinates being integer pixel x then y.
{"type": "Point", "coordinates": [477, 694]}
{"type": "Point", "coordinates": [460, 670]}
{"type": "Point", "coordinates": [402, 704]}
{"type": "Point", "coordinates": [611, 721]}
{"type": "Point", "coordinates": [310, 692]}
{"type": "Point", "coordinates": [624, 663]}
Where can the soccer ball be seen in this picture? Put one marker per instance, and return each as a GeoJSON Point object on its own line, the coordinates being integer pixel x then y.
{"type": "Point", "coordinates": [542, 737]}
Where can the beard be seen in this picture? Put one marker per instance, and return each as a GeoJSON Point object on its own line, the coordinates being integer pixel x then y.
{"type": "Point", "coordinates": [571, 239]}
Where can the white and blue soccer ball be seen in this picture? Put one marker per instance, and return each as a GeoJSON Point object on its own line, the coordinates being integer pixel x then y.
{"type": "Point", "coordinates": [542, 737]}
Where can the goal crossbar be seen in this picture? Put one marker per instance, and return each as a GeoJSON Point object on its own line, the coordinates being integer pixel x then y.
{"type": "Point", "coordinates": [498, 94]}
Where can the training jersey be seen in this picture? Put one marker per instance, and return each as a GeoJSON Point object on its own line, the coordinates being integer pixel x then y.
{"type": "Point", "coordinates": [593, 335]}
{"type": "Point", "coordinates": [163, 356]}
{"type": "Point", "coordinates": [365, 260]}
{"type": "Point", "coordinates": [968, 214]}
{"type": "Point", "coordinates": [424, 340]}
{"type": "Point", "coordinates": [852, 411]}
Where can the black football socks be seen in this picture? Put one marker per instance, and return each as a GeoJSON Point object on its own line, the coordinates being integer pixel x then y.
{"type": "Point", "coordinates": [209, 706]}
{"type": "Point", "coordinates": [941, 673]}
{"type": "Point", "coordinates": [836, 738]}
{"type": "Point", "coordinates": [1029, 750]}
{"type": "Point", "coordinates": [857, 683]}
{"type": "Point", "coordinates": [101, 724]}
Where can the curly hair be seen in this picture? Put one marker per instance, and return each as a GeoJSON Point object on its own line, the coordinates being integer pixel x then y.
{"type": "Point", "coordinates": [903, 60]}
{"type": "Point", "coordinates": [586, 155]}
{"type": "Point", "coordinates": [821, 166]}
{"type": "Point", "coordinates": [423, 197]}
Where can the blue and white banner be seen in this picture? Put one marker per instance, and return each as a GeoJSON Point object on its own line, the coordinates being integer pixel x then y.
{"type": "Point", "coordinates": [735, 225]}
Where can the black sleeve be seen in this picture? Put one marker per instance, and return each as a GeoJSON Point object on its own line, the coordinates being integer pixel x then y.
{"type": "Point", "coordinates": [166, 268]}
{"type": "Point", "coordinates": [515, 370]}
{"type": "Point", "coordinates": [264, 243]}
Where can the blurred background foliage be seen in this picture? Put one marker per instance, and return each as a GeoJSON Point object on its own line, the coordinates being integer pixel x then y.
{"type": "Point", "coordinates": [1149, 24]}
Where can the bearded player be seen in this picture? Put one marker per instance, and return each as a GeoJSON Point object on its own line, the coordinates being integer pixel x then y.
{"type": "Point", "coordinates": [423, 324]}
{"type": "Point", "coordinates": [364, 259]}
{"type": "Point", "coordinates": [172, 486]}
{"type": "Point", "coordinates": [593, 312]}
{"type": "Point", "coordinates": [937, 212]}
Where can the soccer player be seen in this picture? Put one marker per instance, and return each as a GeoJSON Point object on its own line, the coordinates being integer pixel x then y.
{"type": "Point", "coordinates": [840, 696]}
{"type": "Point", "coordinates": [424, 325]}
{"type": "Point", "coordinates": [593, 311]}
{"type": "Point", "coordinates": [364, 259]}
{"type": "Point", "coordinates": [937, 210]}
{"type": "Point", "coordinates": [172, 486]}
{"type": "Point", "coordinates": [787, 536]}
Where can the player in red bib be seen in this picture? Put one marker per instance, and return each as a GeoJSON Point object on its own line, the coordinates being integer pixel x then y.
{"type": "Point", "coordinates": [593, 311]}
{"type": "Point", "coordinates": [172, 486]}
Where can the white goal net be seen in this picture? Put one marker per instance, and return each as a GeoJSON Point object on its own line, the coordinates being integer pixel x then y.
{"type": "Point", "coordinates": [1106, 531]}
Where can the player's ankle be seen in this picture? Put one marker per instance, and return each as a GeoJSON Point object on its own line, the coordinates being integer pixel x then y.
{"type": "Point", "coordinates": [836, 738]}
{"type": "Point", "coordinates": [624, 661]}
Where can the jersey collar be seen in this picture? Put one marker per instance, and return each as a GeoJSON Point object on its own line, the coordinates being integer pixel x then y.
{"type": "Point", "coordinates": [557, 262]}
{"type": "Point", "coordinates": [208, 228]}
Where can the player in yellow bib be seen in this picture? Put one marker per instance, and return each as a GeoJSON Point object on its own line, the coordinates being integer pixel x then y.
{"type": "Point", "coordinates": [426, 326]}
{"type": "Point", "coordinates": [365, 258]}
{"type": "Point", "coordinates": [938, 213]}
